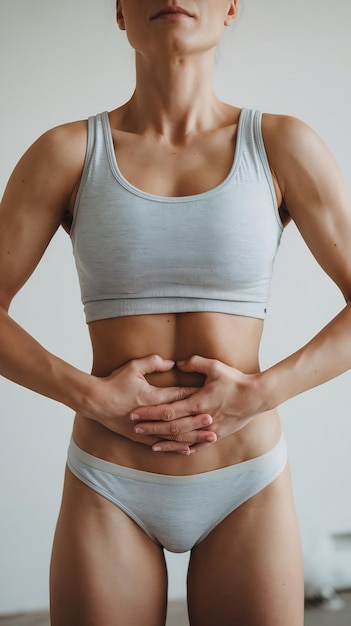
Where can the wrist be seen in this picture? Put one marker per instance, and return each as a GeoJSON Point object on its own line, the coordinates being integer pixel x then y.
{"type": "Point", "coordinates": [74, 388]}
{"type": "Point", "coordinates": [266, 390]}
{"type": "Point", "coordinates": [88, 396]}
{"type": "Point", "coordinates": [282, 381]}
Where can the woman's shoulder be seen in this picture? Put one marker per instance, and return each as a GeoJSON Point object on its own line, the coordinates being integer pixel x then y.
{"type": "Point", "coordinates": [282, 127]}
{"type": "Point", "coordinates": [66, 141]}
{"type": "Point", "coordinates": [290, 141]}
{"type": "Point", "coordinates": [48, 171]}
{"type": "Point", "coordinates": [289, 135]}
{"type": "Point", "coordinates": [56, 155]}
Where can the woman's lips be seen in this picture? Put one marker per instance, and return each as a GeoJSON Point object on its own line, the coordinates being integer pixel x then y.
{"type": "Point", "coordinates": [171, 12]}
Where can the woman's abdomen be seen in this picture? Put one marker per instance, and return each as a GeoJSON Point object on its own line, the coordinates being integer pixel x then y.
{"type": "Point", "coordinates": [231, 339]}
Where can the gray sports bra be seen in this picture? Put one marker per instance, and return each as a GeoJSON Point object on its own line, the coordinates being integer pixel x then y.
{"type": "Point", "coordinates": [138, 253]}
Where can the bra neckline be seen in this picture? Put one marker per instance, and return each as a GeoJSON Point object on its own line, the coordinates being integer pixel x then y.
{"type": "Point", "coordinates": [171, 199]}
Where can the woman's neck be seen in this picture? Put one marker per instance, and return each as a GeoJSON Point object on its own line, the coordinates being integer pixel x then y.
{"type": "Point", "coordinates": [173, 98]}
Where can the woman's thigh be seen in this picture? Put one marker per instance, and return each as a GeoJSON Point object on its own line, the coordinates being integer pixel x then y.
{"type": "Point", "coordinates": [105, 571]}
{"type": "Point", "coordinates": [248, 571]}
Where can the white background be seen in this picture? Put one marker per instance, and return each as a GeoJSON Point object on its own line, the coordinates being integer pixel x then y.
{"type": "Point", "coordinates": [62, 61]}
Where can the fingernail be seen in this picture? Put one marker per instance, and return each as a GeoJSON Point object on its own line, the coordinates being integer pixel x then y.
{"type": "Point", "coordinates": [134, 416]}
{"type": "Point", "coordinates": [139, 431]}
{"type": "Point", "coordinates": [207, 420]}
{"type": "Point", "coordinates": [211, 438]}
{"type": "Point", "coordinates": [156, 448]}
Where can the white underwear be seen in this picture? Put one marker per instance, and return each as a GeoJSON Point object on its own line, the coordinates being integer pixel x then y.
{"type": "Point", "coordinates": [178, 512]}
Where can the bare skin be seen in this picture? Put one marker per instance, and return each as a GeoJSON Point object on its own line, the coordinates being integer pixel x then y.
{"type": "Point", "coordinates": [174, 138]}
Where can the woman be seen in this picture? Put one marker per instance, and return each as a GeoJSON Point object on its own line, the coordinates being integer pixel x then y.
{"type": "Point", "coordinates": [175, 203]}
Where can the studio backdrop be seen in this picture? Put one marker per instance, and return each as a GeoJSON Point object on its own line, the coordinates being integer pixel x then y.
{"type": "Point", "coordinates": [63, 61]}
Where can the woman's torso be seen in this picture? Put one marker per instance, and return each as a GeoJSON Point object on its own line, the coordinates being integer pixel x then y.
{"type": "Point", "coordinates": [194, 168]}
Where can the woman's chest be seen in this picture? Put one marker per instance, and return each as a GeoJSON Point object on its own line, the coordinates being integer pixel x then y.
{"type": "Point", "coordinates": [185, 169]}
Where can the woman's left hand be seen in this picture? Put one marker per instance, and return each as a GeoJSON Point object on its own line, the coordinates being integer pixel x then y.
{"type": "Point", "coordinates": [230, 397]}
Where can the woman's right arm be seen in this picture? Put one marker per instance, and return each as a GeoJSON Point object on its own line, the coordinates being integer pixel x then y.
{"type": "Point", "coordinates": [31, 211]}
{"type": "Point", "coordinates": [33, 207]}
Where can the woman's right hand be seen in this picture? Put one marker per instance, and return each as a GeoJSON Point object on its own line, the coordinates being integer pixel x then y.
{"type": "Point", "coordinates": [111, 399]}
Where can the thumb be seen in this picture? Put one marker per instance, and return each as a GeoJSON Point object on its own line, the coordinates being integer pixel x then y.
{"type": "Point", "coordinates": [153, 363]}
{"type": "Point", "coordinates": [196, 363]}
{"type": "Point", "coordinates": [168, 395]}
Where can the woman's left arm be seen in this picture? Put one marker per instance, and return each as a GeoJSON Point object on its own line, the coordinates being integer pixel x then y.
{"type": "Point", "coordinates": [316, 199]}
